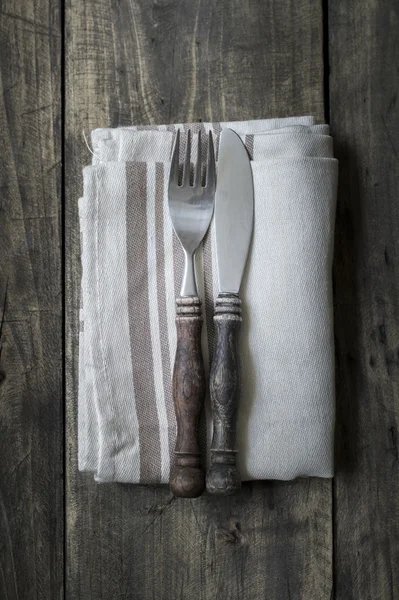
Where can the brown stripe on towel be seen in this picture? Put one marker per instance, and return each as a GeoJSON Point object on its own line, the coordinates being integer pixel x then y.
{"type": "Point", "coordinates": [161, 291]}
{"type": "Point", "coordinates": [217, 129]}
{"type": "Point", "coordinates": [204, 151]}
{"type": "Point", "coordinates": [81, 286]}
{"type": "Point", "coordinates": [139, 324]}
{"type": "Point", "coordinates": [208, 291]}
{"type": "Point", "coordinates": [195, 127]}
{"type": "Point", "coordinates": [249, 144]}
{"type": "Point", "coordinates": [178, 264]}
{"type": "Point", "coordinates": [178, 256]}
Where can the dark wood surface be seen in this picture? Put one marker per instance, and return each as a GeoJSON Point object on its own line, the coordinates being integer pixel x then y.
{"type": "Point", "coordinates": [70, 67]}
{"type": "Point", "coordinates": [364, 60]}
{"type": "Point", "coordinates": [31, 347]}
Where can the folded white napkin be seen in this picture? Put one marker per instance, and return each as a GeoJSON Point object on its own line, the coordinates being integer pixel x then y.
{"type": "Point", "coordinates": [132, 266]}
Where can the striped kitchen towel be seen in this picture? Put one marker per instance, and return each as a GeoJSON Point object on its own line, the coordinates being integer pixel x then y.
{"type": "Point", "coordinates": [131, 272]}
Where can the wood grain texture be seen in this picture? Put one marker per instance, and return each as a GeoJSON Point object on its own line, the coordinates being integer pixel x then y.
{"type": "Point", "coordinates": [187, 477]}
{"type": "Point", "coordinates": [168, 61]}
{"type": "Point", "coordinates": [364, 57]}
{"type": "Point", "coordinates": [31, 408]}
{"type": "Point", "coordinates": [224, 385]}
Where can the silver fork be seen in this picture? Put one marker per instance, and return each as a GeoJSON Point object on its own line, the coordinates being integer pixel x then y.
{"type": "Point", "coordinates": [191, 209]}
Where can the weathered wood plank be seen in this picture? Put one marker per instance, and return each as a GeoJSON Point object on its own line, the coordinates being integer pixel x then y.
{"type": "Point", "coordinates": [165, 61]}
{"type": "Point", "coordinates": [31, 407]}
{"type": "Point", "coordinates": [364, 53]}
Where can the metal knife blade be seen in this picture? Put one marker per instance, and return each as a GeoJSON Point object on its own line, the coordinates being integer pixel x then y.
{"type": "Point", "coordinates": [234, 211]}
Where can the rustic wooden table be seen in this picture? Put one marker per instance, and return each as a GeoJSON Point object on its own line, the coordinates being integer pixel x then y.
{"type": "Point", "coordinates": [68, 67]}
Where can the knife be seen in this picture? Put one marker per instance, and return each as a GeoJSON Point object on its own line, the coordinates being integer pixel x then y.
{"type": "Point", "coordinates": [234, 214]}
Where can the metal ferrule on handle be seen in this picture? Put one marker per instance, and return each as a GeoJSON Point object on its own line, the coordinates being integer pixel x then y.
{"type": "Point", "coordinates": [189, 286]}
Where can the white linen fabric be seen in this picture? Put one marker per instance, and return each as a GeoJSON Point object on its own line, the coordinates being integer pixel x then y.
{"type": "Point", "coordinates": [131, 273]}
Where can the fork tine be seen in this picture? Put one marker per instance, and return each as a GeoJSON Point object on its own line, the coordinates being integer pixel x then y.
{"type": "Point", "coordinates": [186, 169]}
{"type": "Point", "coordinates": [197, 172]}
{"type": "Point", "coordinates": [210, 168]}
{"type": "Point", "coordinates": [174, 167]}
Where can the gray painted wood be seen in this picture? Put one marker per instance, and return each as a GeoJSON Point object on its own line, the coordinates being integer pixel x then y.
{"type": "Point", "coordinates": [154, 62]}
{"type": "Point", "coordinates": [31, 408]}
{"type": "Point", "coordinates": [364, 55]}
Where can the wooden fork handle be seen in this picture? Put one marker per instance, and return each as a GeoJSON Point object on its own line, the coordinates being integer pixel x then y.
{"type": "Point", "coordinates": [222, 477]}
{"type": "Point", "coordinates": [187, 477]}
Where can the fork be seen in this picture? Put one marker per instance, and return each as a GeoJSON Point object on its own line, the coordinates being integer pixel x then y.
{"type": "Point", "coordinates": [191, 209]}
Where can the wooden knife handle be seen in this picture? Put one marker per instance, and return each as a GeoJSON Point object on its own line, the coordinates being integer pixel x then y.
{"type": "Point", "coordinates": [187, 477]}
{"type": "Point", "coordinates": [223, 477]}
